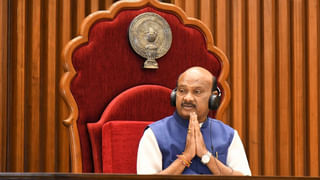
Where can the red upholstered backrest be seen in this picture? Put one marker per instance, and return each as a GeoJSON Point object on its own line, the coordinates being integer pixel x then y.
{"type": "Point", "coordinates": [145, 103]}
{"type": "Point", "coordinates": [140, 103]}
{"type": "Point", "coordinates": [106, 66]}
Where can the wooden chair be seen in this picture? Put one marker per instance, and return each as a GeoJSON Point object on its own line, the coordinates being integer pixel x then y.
{"type": "Point", "coordinates": [110, 96]}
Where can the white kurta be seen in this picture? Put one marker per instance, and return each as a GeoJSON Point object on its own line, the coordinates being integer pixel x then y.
{"type": "Point", "coordinates": [149, 159]}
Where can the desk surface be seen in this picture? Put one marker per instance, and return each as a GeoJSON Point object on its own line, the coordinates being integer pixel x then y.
{"type": "Point", "coordinates": [95, 176]}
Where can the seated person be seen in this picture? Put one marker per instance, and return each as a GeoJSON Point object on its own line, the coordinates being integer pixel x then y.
{"type": "Point", "coordinates": [189, 142]}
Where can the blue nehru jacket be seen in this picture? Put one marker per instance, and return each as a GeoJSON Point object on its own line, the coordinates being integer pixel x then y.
{"type": "Point", "coordinates": [171, 133]}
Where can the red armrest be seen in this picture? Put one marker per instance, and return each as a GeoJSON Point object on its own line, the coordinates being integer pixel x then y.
{"type": "Point", "coordinates": [120, 141]}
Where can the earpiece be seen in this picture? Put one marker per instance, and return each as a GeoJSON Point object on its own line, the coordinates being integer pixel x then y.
{"type": "Point", "coordinates": [173, 97]}
{"type": "Point", "coordinates": [214, 100]}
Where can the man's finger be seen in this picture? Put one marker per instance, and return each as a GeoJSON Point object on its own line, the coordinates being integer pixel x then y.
{"type": "Point", "coordinates": [191, 122]}
{"type": "Point", "coordinates": [195, 121]}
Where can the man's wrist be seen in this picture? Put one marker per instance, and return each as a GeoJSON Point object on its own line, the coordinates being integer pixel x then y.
{"type": "Point", "coordinates": [187, 156]}
{"type": "Point", "coordinates": [184, 161]}
{"type": "Point", "coordinates": [206, 158]}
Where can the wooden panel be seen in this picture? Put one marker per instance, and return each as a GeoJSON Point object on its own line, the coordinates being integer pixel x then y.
{"type": "Point", "coordinates": [108, 3]}
{"type": "Point", "coordinates": [180, 3]}
{"type": "Point", "coordinates": [284, 88]}
{"type": "Point", "coordinates": [269, 88]}
{"type": "Point", "coordinates": [94, 5]}
{"type": "Point", "coordinates": [254, 142]}
{"type": "Point", "coordinates": [17, 123]}
{"type": "Point", "coordinates": [220, 34]}
{"type": "Point", "coordinates": [63, 142]}
{"type": "Point", "coordinates": [33, 91]}
{"type": "Point", "coordinates": [81, 10]}
{"type": "Point", "coordinates": [51, 91]}
{"type": "Point", "coordinates": [205, 13]}
{"type": "Point", "coordinates": [191, 8]}
{"type": "Point", "coordinates": [237, 68]}
{"type": "Point", "coordinates": [298, 92]}
{"type": "Point", "coordinates": [313, 87]}
{"type": "Point", "coordinates": [3, 84]}
{"type": "Point", "coordinates": [220, 31]}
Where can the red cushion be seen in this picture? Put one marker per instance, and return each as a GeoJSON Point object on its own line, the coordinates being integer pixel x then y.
{"type": "Point", "coordinates": [141, 103]}
{"type": "Point", "coordinates": [120, 141]}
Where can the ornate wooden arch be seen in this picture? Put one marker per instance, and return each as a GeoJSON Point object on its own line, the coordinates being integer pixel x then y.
{"type": "Point", "coordinates": [71, 121]}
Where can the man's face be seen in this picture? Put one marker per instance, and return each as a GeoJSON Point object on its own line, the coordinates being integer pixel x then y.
{"type": "Point", "coordinates": [193, 93]}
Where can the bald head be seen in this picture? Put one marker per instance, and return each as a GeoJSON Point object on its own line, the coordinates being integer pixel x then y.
{"type": "Point", "coordinates": [197, 73]}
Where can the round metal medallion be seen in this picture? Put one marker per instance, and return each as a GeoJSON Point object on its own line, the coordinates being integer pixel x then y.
{"type": "Point", "coordinates": [150, 36]}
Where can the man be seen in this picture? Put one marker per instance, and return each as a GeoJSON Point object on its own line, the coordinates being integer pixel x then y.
{"type": "Point", "coordinates": [188, 142]}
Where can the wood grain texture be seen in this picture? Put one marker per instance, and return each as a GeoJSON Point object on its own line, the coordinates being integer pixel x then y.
{"type": "Point", "coordinates": [220, 26]}
{"type": "Point", "coordinates": [269, 88]}
{"type": "Point", "coordinates": [284, 124]}
{"type": "Point", "coordinates": [3, 84]}
{"type": "Point", "coordinates": [191, 8]}
{"type": "Point", "coordinates": [180, 3]}
{"type": "Point", "coordinates": [63, 139]}
{"type": "Point", "coordinates": [313, 86]}
{"type": "Point", "coordinates": [33, 90]}
{"type": "Point", "coordinates": [94, 5]}
{"type": "Point", "coordinates": [205, 13]}
{"type": "Point", "coordinates": [108, 3]}
{"type": "Point", "coordinates": [50, 90]}
{"type": "Point", "coordinates": [253, 51]}
{"type": "Point", "coordinates": [298, 75]}
{"type": "Point", "coordinates": [81, 10]}
{"type": "Point", "coordinates": [237, 68]}
{"type": "Point", "coordinates": [17, 130]}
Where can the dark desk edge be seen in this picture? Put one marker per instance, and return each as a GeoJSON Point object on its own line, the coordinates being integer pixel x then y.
{"type": "Point", "coordinates": [98, 176]}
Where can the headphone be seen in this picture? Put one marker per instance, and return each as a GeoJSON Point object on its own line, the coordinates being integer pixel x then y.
{"type": "Point", "coordinates": [214, 100]}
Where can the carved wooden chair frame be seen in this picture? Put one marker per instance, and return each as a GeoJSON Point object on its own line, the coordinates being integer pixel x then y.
{"type": "Point", "coordinates": [71, 121]}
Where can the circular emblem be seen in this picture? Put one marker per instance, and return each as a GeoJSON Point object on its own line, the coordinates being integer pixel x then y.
{"type": "Point", "coordinates": [150, 36]}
